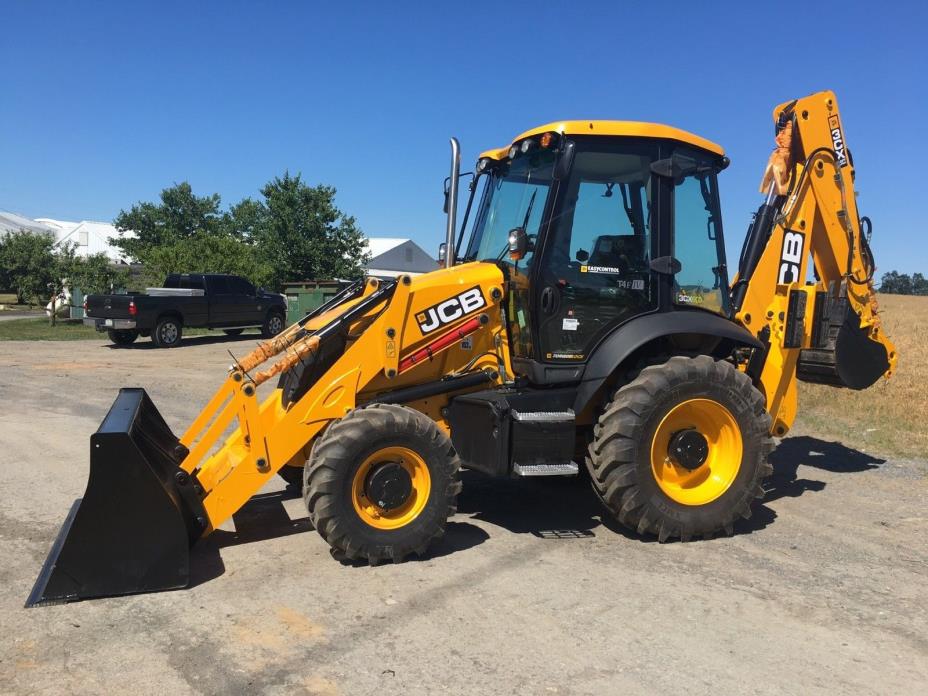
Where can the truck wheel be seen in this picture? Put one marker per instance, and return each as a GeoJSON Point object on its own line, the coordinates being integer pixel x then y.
{"type": "Point", "coordinates": [273, 324]}
{"type": "Point", "coordinates": [122, 337]}
{"type": "Point", "coordinates": [167, 333]}
{"type": "Point", "coordinates": [681, 450]}
{"type": "Point", "coordinates": [381, 483]}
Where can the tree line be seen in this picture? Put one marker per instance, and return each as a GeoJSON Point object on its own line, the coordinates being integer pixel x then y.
{"type": "Point", "coordinates": [293, 231]}
{"type": "Point", "coordinates": [32, 266]}
{"type": "Point", "coordinates": [895, 283]}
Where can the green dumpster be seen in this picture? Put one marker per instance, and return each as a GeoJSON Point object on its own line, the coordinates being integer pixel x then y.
{"type": "Point", "coordinates": [305, 296]}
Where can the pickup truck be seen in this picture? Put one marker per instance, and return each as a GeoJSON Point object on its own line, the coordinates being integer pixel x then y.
{"type": "Point", "coordinates": [214, 301]}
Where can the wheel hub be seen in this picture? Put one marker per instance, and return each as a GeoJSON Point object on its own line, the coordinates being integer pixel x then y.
{"type": "Point", "coordinates": [388, 486]}
{"type": "Point", "coordinates": [688, 448]}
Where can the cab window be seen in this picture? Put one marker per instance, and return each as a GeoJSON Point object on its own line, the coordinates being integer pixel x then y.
{"type": "Point", "coordinates": [702, 280]}
{"type": "Point", "coordinates": [596, 271]}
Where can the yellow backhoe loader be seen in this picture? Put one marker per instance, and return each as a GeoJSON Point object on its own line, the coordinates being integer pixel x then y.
{"type": "Point", "coordinates": [584, 317]}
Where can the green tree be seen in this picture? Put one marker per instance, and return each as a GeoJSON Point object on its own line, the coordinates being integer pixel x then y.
{"type": "Point", "coordinates": [28, 265]}
{"type": "Point", "coordinates": [180, 215]}
{"type": "Point", "coordinates": [208, 253]}
{"type": "Point", "coordinates": [302, 234]}
{"type": "Point", "coordinates": [895, 283]}
{"type": "Point", "coordinates": [919, 284]}
{"type": "Point", "coordinates": [94, 273]}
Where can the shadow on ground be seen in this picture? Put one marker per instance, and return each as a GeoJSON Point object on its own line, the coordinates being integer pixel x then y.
{"type": "Point", "coordinates": [198, 340]}
{"type": "Point", "coordinates": [813, 452]}
{"type": "Point", "coordinates": [549, 508]}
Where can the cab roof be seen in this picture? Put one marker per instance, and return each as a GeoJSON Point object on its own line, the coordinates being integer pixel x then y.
{"type": "Point", "coordinates": [635, 129]}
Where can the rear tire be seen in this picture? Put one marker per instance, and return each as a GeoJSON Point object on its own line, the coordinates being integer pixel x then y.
{"type": "Point", "coordinates": [122, 337]}
{"type": "Point", "coordinates": [273, 324]}
{"type": "Point", "coordinates": [342, 467]}
{"type": "Point", "coordinates": [648, 482]}
{"type": "Point", "coordinates": [167, 333]}
{"type": "Point", "coordinates": [232, 332]}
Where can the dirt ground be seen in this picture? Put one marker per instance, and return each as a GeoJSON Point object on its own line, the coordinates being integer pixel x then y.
{"type": "Point", "coordinates": [822, 591]}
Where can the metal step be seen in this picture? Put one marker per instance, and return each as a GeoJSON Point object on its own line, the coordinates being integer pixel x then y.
{"type": "Point", "coordinates": [543, 416]}
{"type": "Point", "coordinates": [566, 469]}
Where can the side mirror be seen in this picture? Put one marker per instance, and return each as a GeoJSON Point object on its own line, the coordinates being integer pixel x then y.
{"type": "Point", "coordinates": [518, 243]}
{"type": "Point", "coordinates": [442, 253]}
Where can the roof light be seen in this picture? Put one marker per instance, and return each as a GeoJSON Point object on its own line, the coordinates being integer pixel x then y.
{"type": "Point", "coordinates": [513, 151]}
{"type": "Point", "coordinates": [527, 145]}
{"type": "Point", "coordinates": [546, 139]}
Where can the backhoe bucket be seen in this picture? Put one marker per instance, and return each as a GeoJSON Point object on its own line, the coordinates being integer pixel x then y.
{"type": "Point", "coordinates": [843, 354]}
{"type": "Point", "coordinates": [132, 530]}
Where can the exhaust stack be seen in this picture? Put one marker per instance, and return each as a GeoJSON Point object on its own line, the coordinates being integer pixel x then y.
{"type": "Point", "coordinates": [452, 202]}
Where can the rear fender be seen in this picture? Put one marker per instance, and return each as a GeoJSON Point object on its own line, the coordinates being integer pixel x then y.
{"type": "Point", "coordinates": [692, 331]}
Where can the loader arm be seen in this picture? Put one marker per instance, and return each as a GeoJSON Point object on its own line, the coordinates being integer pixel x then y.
{"type": "Point", "coordinates": [416, 341]}
{"type": "Point", "coordinates": [825, 330]}
{"type": "Point", "coordinates": [376, 346]}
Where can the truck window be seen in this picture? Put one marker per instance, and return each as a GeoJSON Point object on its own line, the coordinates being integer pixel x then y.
{"type": "Point", "coordinates": [189, 282]}
{"type": "Point", "coordinates": [240, 286]}
{"type": "Point", "coordinates": [219, 285]}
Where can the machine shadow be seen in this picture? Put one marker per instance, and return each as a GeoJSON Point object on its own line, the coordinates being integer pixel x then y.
{"type": "Point", "coordinates": [811, 451]}
{"type": "Point", "coordinates": [554, 508]}
{"type": "Point", "coordinates": [261, 518]}
{"type": "Point", "coordinates": [785, 482]}
{"type": "Point", "coordinates": [549, 508]}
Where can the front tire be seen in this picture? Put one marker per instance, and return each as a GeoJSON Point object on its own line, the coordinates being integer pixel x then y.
{"type": "Point", "coordinates": [167, 333]}
{"type": "Point", "coordinates": [681, 450]}
{"type": "Point", "coordinates": [122, 337]}
{"type": "Point", "coordinates": [381, 483]}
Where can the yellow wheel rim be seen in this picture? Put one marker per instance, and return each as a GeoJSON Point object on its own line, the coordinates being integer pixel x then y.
{"type": "Point", "coordinates": [713, 476]}
{"type": "Point", "coordinates": [418, 471]}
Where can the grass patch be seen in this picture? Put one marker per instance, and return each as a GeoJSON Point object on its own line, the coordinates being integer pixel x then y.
{"type": "Point", "coordinates": [8, 300]}
{"type": "Point", "coordinates": [40, 330]}
{"type": "Point", "coordinates": [890, 416]}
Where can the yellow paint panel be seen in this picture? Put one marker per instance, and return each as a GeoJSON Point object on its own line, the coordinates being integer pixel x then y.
{"type": "Point", "coordinates": [632, 129]}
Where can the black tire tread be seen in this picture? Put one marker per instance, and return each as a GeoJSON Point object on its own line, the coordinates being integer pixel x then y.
{"type": "Point", "coordinates": [321, 484]}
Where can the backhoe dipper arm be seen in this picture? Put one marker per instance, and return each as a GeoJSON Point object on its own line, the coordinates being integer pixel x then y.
{"type": "Point", "coordinates": [826, 331]}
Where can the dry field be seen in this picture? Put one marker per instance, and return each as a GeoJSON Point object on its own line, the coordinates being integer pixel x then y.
{"type": "Point", "coordinates": [891, 416]}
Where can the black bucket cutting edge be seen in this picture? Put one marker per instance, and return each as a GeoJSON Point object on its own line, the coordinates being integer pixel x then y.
{"type": "Point", "coordinates": [132, 530]}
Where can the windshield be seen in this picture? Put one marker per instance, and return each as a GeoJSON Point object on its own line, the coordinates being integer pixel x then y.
{"type": "Point", "coordinates": [514, 196]}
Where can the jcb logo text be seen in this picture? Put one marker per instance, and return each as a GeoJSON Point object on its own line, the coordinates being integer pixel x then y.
{"type": "Point", "coordinates": [791, 257]}
{"type": "Point", "coordinates": [449, 310]}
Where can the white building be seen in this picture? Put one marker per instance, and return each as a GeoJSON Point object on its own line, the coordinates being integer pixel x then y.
{"type": "Point", "coordinates": [89, 237]}
{"type": "Point", "coordinates": [11, 222]}
{"type": "Point", "coordinates": [391, 256]}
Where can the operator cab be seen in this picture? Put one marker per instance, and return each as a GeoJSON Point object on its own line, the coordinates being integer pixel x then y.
{"type": "Point", "coordinates": [595, 223]}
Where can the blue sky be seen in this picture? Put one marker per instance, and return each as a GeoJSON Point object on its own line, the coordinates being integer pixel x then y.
{"type": "Point", "coordinates": [104, 104]}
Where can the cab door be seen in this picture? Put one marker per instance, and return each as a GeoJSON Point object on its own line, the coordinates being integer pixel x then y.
{"type": "Point", "coordinates": [595, 272]}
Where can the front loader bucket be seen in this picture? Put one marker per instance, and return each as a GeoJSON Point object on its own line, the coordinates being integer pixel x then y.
{"type": "Point", "coordinates": [132, 530]}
